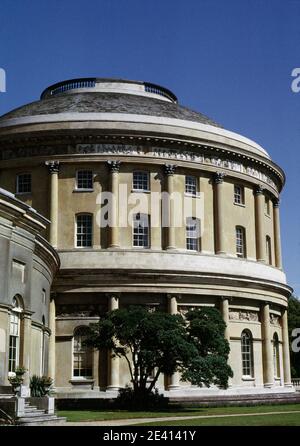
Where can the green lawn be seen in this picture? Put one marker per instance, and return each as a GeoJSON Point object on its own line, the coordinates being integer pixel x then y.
{"type": "Point", "coordinates": [254, 420]}
{"type": "Point", "coordinates": [94, 415]}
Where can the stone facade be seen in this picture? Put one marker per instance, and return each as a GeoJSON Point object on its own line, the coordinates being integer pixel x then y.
{"type": "Point", "coordinates": [149, 133]}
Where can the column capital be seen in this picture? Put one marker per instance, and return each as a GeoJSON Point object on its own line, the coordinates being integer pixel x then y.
{"type": "Point", "coordinates": [169, 169]}
{"type": "Point", "coordinates": [276, 202]}
{"type": "Point", "coordinates": [218, 177]}
{"type": "Point", "coordinates": [53, 166]}
{"type": "Point", "coordinates": [113, 165]}
{"type": "Point", "coordinates": [258, 190]}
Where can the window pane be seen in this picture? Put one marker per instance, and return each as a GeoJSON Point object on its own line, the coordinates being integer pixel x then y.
{"type": "Point", "coordinates": [84, 179]}
{"type": "Point", "coordinates": [141, 237]}
{"type": "Point", "coordinates": [192, 234]}
{"type": "Point", "coordinates": [140, 181]}
{"type": "Point", "coordinates": [82, 355]}
{"type": "Point", "coordinates": [240, 242]}
{"type": "Point", "coordinates": [190, 185]}
{"type": "Point", "coordinates": [24, 183]}
{"type": "Point", "coordinates": [247, 355]}
{"type": "Point", "coordinates": [238, 194]}
{"type": "Point", "coordinates": [84, 230]}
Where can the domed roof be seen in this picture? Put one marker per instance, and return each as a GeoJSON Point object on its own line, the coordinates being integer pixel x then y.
{"type": "Point", "coordinates": [108, 96]}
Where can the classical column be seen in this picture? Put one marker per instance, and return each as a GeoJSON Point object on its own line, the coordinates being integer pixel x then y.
{"type": "Point", "coordinates": [113, 363]}
{"type": "Point", "coordinates": [268, 366]}
{"type": "Point", "coordinates": [51, 354]}
{"type": "Point", "coordinates": [277, 241]}
{"type": "Point", "coordinates": [260, 224]}
{"type": "Point", "coordinates": [286, 350]}
{"type": "Point", "coordinates": [53, 167]}
{"type": "Point", "coordinates": [219, 211]}
{"type": "Point", "coordinates": [172, 309]}
{"type": "Point", "coordinates": [225, 314]}
{"type": "Point", "coordinates": [114, 168]}
{"type": "Point", "coordinates": [25, 353]}
{"type": "Point", "coordinates": [169, 172]}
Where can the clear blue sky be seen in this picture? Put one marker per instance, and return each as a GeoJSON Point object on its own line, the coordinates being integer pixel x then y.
{"type": "Point", "coordinates": [231, 60]}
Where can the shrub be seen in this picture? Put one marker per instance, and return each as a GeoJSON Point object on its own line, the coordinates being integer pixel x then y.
{"type": "Point", "coordinates": [40, 385]}
{"type": "Point", "coordinates": [140, 399]}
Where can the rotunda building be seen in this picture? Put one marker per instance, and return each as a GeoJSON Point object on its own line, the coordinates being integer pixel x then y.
{"type": "Point", "coordinates": [154, 204]}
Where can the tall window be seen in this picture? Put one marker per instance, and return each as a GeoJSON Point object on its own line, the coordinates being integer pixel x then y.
{"type": "Point", "coordinates": [84, 230]}
{"type": "Point", "coordinates": [140, 181]}
{"type": "Point", "coordinates": [141, 232]}
{"type": "Point", "coordinates": [276, 360]}
{"type": "Point", "coordinates": [239, 197]}
{"type": "Point", "coordinates": [14, 335]}
{"type": "Point", "coordinates": [84, 180]}
{"type": "Point", "coordinates": [240, 241]}
{"type": "Point", "coordinates": [24, 183]}
{"type": "Point", "coordinates": [192, 234]}
{"type": "Point", "coordinates": [82, 355]}
{"type": "Point", "coordinates": [269, 250]}
{"type": "Point", "coordinates": [247, 354]}
{"type": "Point", "coordinates": [267, 205]}
{"type": "Point", "coordinates": [190, 185]}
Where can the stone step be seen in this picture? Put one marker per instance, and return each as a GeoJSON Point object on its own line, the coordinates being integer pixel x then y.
{"type": "Point", "coordinates": [45, 419]}
{"type": "Point", "coordinates": [34, 413]}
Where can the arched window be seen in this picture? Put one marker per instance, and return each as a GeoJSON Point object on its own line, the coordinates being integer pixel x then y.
{"type": "Point", "coordinates": [247, 353]}
{"type": "Point", "coordinates": [14, 334]}
{"type": "Point", "coordinates": [82, 355]}
{"type": "Point", "coordinates": [276, 360]}
{"type": "Point", "coordinates": [84, 230]}
{"type": "Point", "coordinates": [268, 250]}
{"type": "Point", "coordinates": [240, 241]}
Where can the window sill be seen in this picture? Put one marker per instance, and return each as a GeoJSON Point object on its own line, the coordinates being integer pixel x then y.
{"type": "Point", "coordinates": [139, 191]}
{"type": "Point", "coordinates": [23, 193]}
{"type": "Point", "coordinates": [196, 195]}
{"type": "Point", "coordinates": [81, 380]}
{"type": "Point", "coordinates": [83, 190]}
{"type": "Point", "coordinates": [241, 205]}
{"type": "Point", "coordinates": [248, 378]}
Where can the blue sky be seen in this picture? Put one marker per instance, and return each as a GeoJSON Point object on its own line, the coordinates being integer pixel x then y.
{"type": "Point", "coordinates": [231, 60]}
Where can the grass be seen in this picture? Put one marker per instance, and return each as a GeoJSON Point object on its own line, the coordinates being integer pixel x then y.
{"type": "Point", "coordinates": [94, 415]}
{"type": "Point", "coordinates": [254, 420]}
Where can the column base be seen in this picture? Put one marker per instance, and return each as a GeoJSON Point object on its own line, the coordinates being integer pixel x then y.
{"type": "Point", "coordinates": [268, 385]}
{"type": "Point", "coordinates": [288, 384]}
{"type": "Point", "coordinates": [113, 246]}
{"type": "Point", "coordinates": [222, 253]}
{"type": "Point", "coordinates": [174, 387]}
{"type": "Point", "coordinates": [112, 388]}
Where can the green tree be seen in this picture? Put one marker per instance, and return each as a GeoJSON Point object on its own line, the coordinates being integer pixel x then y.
{"type": "Point", "coordinates": [294, 322]}
{"type": "Point", "coordinates": [155, 342]}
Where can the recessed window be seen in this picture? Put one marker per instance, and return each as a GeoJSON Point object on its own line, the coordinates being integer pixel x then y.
{"type": "Point", "coordinates": [24, 183]}
{"type": "Point", "coordinates": [247, 354]}
{"type": "Point", "coordinates": [240, 241]}
{"type": "Point", "coordinates": [43, 296]}
{"type": "Point", "coordinates": [192, 234]}
{"type": "Point", "coordinates": [190, 185]}
{"type": "Point", "coordinates": [239, 194]}
{"type": "Point", "coordinates": [276, 359]}
{"type": "Point", "coordinates": [140, 181]}
{"type": "Point", "coordinates": [267, 206]}
{"type": "Point", "coordinates": [84, 180]}
{"type": "Point", "coordinates": [82, 355]}
{"type": "Point", "coordinates": [84, 230]}
{"type": "Point", "coordinates": [141, 231]}
{"type": "Point", "coordinates": [14, 335]}
{"type": "Point", "coordinates": [268, 250]}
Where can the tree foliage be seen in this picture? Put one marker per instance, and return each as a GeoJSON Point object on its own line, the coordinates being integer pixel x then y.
{"type": "Point", "coordinates": [294, 322]}
{"type": "Point", "coordinates": [156, 342]}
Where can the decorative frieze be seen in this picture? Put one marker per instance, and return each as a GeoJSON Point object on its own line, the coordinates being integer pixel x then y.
{"type": "Point", "coordinates": [80, 310]}
{"type": "Point", "coordinates": [243, 315]}
{"type": "Point", "coordinates": [274, 319]}
{"type": "Point", "coordinates": [199, 156]}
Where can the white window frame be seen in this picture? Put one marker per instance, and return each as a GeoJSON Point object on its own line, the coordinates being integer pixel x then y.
{"type": "Point", "coordinates": [84, 189]}
{"type": "Point", "coordinates": [192, 186]}
{"type": "Point", "coordinates": [76, 230]}
{"type": "Point", "coordinates": [250, 357]}
{"type": "Point", "coordinates": [276, 356]}
{"type": "Point", "coordinates": [15, 333]}
{"type": "Point", "coordinates": [134, 219]}
{"type": "Point", "coordinates": [89, 351]}
{"type": "Point", "coordinates": [146, 175]}
{"type": "Point", "coordinates": [18, 183]}
{"type": "Point", "coordinates": [242, 245]}
{"type": "Point", "coordinates": [191, 239]}
{"type": "Point", "coordinates": [239, 196]}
